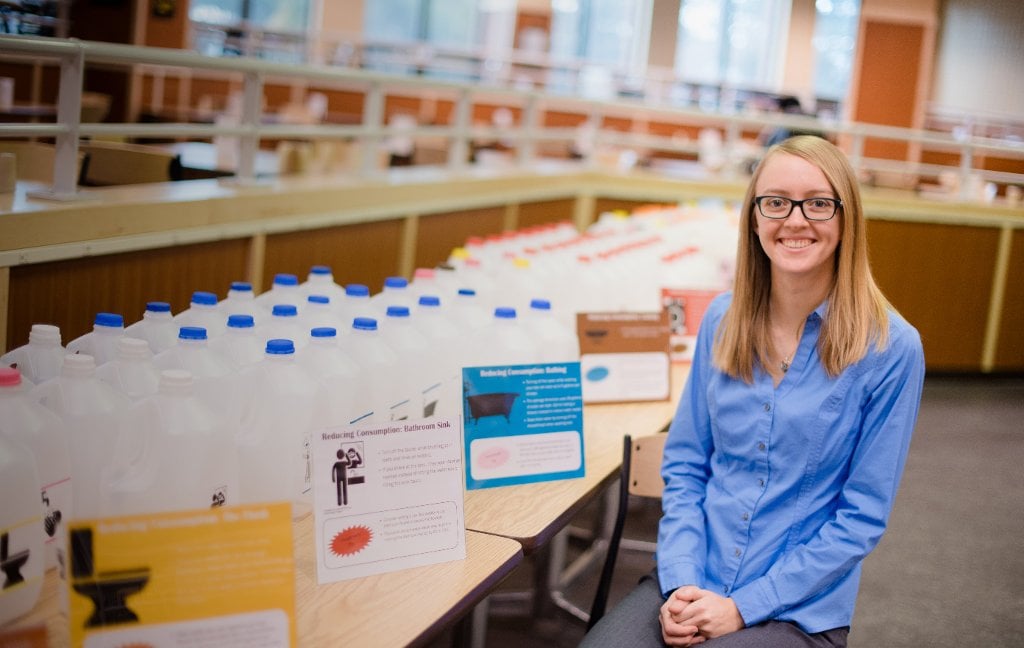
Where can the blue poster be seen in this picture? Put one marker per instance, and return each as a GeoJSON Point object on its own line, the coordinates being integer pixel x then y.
{"type": "Point", "coordinates": [522, 424]}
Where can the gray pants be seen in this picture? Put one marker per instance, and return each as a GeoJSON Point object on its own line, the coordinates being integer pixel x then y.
{"type": "Point", "coordinates": [634, 623]}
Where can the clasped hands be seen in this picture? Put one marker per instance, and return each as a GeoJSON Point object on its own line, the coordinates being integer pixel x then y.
{"type": "Point", "coordinates": [692, 615]}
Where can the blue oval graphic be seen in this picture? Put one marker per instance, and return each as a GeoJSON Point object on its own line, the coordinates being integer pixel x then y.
{"type": "Point", "coordinates": [597, 374]}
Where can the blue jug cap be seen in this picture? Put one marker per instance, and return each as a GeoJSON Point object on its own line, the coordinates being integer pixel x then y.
{"type": "Point", "coordinates": [505, 312]}
{"type": "Point", "coordinates": [364, 324]}
{"type": "Point", "coordinates": [280, 347]}
{"type": "Point", "coordinates": [285, 310]}
{"type": "Point", "coordinates": [320, 270]}
{"type": "Point", "coordinates": [395, 282]}
{"type": "Point", "coordinates": [192, 333]}
{"type": "Point", "coordinates": [241, 286]}
{"type": "Point", "coordinates": [285, 279]}
{"type": "Point", "coordinates": [319, 299]}
{"type": "Point", "coordinates": [430, 300]}
{"type": "Point", "coordinates": [109, 319]}
{"type": "Point", "coordinates": [357, 290]}
{"type": "Point", "coordinates": [323, 332]}
{"type": "Point", "coordinates": [158, 307]}
{"type": "Point", "coordinates": [398, 311]}
{"type": "Point", "coordinates": [540, 304]}
{"type": "Point", "coordinates": [241, 321]}
{"type": "Point", "coordinates": [204, 298]}
{"type": "Point", "coordinates": [467, 291]}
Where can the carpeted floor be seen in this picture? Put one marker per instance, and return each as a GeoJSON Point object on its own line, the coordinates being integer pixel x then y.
{"type": "Point", "coordinates": [950, 569]}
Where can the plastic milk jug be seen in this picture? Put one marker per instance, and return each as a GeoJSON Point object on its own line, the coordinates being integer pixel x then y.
{"type": "Point", "coordinates": [241, 301]}
{"type": "Point", "coordinates": [320, 281]}
{"type": "Point", "coordinates": [174, 453]}
{"type": "Point", "coordinates": [132, 372]}
{"type": "Point", "coordinates": [284, 290]}
{"type": "Point", "coordinates": [21, 533]}
{"type": "Point", "coordinates": [216, 382]}
{"type": "Point", "coordinates": [382, 372]}
{"type": "Point", "coordinates": [320, 311]}
{"type": "Point", "coordinates": [554, 341]}
{"type": "Point", "coordinates": [203, 311]}
{"type": "Point", "coordinates": [24, 421]}
{"type": "Point", "coordinates": [284, 324]}
{"type": "Point", "coordinates": [345, 391]}
{"type": "Point", "coordinates": [101, 342]}
{"type": "Point", "coordinates": [505, 341]}
{"type": "Point", "coordinates": [450, 345]}
{"type": "Point", "coordinates": [90, 411]}
{"type": "Point", "coordinates": [240, 345]}
{"type": "Point", "coordinates": [420, 362]}
{"type": "Point", "coordinates": [41, 358]}
{"type": "Point", "coordinates": [156, 327]}
{"type": "Point", "coordinates": [282, 409]}
{"type": "Point", "coordinates": [355, 304]}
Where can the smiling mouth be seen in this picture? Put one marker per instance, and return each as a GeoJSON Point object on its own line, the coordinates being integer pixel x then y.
{"type": "Point", "coordinates": [795, 244]}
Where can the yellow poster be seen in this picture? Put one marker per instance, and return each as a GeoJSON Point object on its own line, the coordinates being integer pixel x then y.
{"type": "Point", "coordinates": [219, 577]}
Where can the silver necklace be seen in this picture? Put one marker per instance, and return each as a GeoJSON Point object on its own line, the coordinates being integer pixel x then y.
{"type": "Point", "coordinates": [784, 365]}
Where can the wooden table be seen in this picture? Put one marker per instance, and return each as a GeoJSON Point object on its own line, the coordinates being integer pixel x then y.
{"type": "Point", "coordinates": [532, 513]}
{"type": "Point", "coordinates": [404, 608]}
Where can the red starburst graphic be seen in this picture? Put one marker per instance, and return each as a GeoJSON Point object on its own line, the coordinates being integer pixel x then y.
{"type": "Point", "coordinates": [351, 540]}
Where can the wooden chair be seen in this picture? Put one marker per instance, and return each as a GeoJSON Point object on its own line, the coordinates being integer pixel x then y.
{"type": "Point", "coordinates": [639, 475]}
{"type": "Point", "coordinates": [112, 163]}
{"type": "Point", "coordinates": [34, 161]}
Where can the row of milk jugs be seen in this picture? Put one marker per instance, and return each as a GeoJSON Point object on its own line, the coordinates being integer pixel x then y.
{"type": "Point", "coordinates": [217, 404]}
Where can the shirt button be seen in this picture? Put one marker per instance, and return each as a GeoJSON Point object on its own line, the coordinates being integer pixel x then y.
{"type": "Point", "coordinates": [760, 482]}
{"type": "Point", "coordinates": [746, 516]}
{"type": "Point", "coordinates": [767, 407]}
{"type": "Point", "coordinates": [736, 552]}
{"type": "Point", "coordinates": [760, 446]}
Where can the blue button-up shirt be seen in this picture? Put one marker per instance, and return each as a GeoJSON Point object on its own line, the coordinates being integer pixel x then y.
{"type": "Point", "coordinates": [774, 495]}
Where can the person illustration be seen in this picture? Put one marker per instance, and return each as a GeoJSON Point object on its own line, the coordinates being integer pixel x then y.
{"type": "Point", "coordinates": [783, 459]}
{"type": "Point", "coordinates": [339, 473]}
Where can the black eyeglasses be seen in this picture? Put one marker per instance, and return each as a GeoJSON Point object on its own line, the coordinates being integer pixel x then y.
{"type": "Point", "coordinates": [815, 209]}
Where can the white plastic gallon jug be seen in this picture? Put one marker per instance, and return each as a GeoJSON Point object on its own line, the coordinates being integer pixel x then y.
{"type": "Point", "coordinates": [132, 372]}
{"type": "Point", "coordinates": [24, 421]}
{"type": "Point", "coordinates": [21, 532]}
{"type": "Point", "coordinates": [389, 397]}
{"type": "Point", "coordinates": [320, 281]}
{"type": "Point", "coordinates": [241, 300]}
{"type": "Point", "coordinates": [90, 411]}
{"type": "Point", "coordinates": [241, 345]}
{"type": "Point", "coordinates": [215, 378]}
{"type": "Point", "coordinates": [101, 342]}
{"type": "Point", "coordinates": [325, 360]}
{"type": "Point", "coordinates": [320, 311]}
{"type": "Point", "coordinates": [555, 342]}
{"type": "Point", "coordinates": [420, 362]}
{"type": "Point", "coordinates": [174, 453]}
{"type": "Point", "coordinates": [396, 292]}
{"type": "Point", "coordinates": [284, 324]}
{"type": "Point", "coordinates": [284, 290]}
{"type": "Point", "coordinates": [506, 341]}
{"type": "Point", "coordinates": [41, 358]}
{"type": "Point", "coordinates": [283, 407]}
{"type": "Point", "coordinates": [203, 311]}
{"type": "Point", "coordinates": [156, 327]}
{"type": "Point", "coordinates": [355, 304]}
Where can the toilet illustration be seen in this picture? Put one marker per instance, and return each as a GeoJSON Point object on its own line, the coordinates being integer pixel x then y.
{"type": "Point", "coordinates": [11, 564]}
{"type": "Point", "coordinates": [108, 590]}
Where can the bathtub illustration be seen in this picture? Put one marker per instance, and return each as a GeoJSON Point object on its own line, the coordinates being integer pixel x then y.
{"type": "Point", "coordinates": [493, 404]}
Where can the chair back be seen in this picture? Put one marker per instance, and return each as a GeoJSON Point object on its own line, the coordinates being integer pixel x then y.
{"type": "Point", "coordinates": [113, 163]}
{"type": "Point", "coordinates": [35, 161]}
{"type": "Point", "coordinates": [645, 465]}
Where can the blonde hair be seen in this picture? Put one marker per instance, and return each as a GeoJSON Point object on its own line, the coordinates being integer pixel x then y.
{"type": "Point", "coordinates": [857, 312]}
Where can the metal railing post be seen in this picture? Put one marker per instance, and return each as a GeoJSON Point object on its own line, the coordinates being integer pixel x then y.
{"type": "Point", "coordinates": [458, 150]}
{"type": "Point", "coordinates": [528, 131]}
{"type": "Point", "coordinates": [69, 112]}
{"type": "Point", "coordinates": [252, 114]}
{"type": "Point", "coordinates": [373, 120]}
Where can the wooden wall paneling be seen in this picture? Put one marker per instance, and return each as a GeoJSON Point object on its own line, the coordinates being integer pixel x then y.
{"type": "Point", "coordinates": [602, 205]}
{"type": "Point", "coordinates": [1010, 342]}
{"type": "Point", "coordinates": [543, 212]}
{"type": "Point", "coordinates": [438, 234]}
{"type": "Point", "coordinates": [69, 293]}
{"type": "Point", "coordinates": [890, 65]}
{"type": "Point", "coordinates": [365, 253]}
{"type": "Point", "coordinates": [940, 279]}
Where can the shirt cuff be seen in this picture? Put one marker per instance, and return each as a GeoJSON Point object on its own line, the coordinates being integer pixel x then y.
{"type": "Point", "coordinates": [755, 602]}
{"type": "Point", "coordinates": [674, 575]}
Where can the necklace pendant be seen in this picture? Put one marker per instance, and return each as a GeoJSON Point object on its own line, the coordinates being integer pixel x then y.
{"type": "Point", "coordinates": [784, 366]}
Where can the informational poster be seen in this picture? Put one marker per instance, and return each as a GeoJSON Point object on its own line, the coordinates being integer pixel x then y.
{"type": "Point", "coordinates": [211, 578]}
{"type": "Point", "coordinates": [387, 497]}
{"type": "Point", "coordinates": [624, 356]}
{"type": "Point", "coordinates": [523, 424]}
{"type": "Point", "coordinates": [685, 308]}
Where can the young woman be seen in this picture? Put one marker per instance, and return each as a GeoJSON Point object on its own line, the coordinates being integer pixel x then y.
{"type": "Point", "coordinates": [783, 459]}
